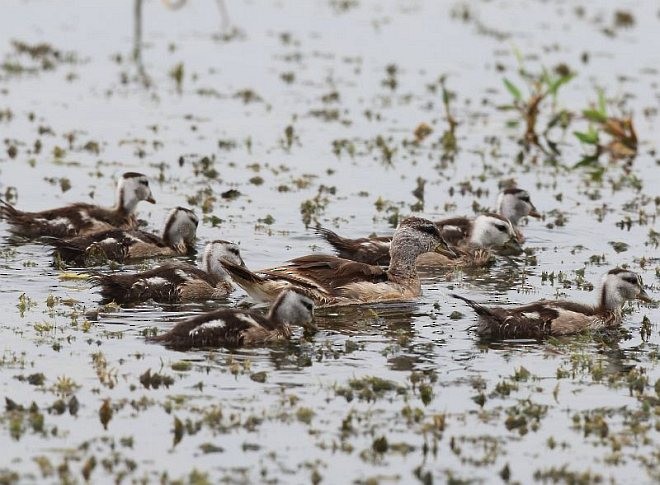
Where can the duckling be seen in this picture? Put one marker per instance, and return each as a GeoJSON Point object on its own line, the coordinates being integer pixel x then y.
{"type": "Point", "coordinates": [485, 232]}
{"type": "Point", "coordinates": [175, 282]}
{"type": "Point", "coordinates": [236, 328]}
{"type": "Point", "coordinates": [82, 219]}
{"type": "Point", "coordinates": [512, 204]}
{"type": "Point", "coordinates": [120, 245]}
{"type": "Point", "coordinates": [554, 318]}
{"type": "Point", "coordinates": [330, 280]}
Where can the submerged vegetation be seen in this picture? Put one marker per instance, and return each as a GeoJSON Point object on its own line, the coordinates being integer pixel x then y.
{"type": "Point", "coordinates": [349, 114]}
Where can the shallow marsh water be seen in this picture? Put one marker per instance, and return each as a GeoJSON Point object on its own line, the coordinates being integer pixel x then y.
{"type": "Point", "coordinates": [388, 393]}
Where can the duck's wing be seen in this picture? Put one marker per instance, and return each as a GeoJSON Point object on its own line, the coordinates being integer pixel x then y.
{"type": "Point", "coordinates": [265, 287]}
{"type": "Point", "coordinates": [115, 244]}
{"type": "Point", "coordinates": [68, 221]}
{"type": "Point", "coordinates": [370, 250]}
{"type": "Point", "coordinates": [162, 283]}
{"type": "Point", "coordinates": [213, 329]}
{"type": "Point", "coordinates": [535, 320]}
{"type": "Point", "coordinates": [329, 272]}
{"type": "Point", "coordinates": [455, 230]}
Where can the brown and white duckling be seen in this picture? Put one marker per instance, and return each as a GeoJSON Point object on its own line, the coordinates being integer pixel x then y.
{"type": "Point", "coordinates": [81, 219]}
{"type": "Point", "coordinates": [485, 232]}
{"type": "Point", "coordinates": [554, 318]}
{"type": "Point", "coordinates": [236, 328]}
{"type": "Point", "coordinates": [122, 245]}
{"type": "Point", "coordinates": [176, 281]}
{"type": "Point", "coordinates": [512, 204]}
{"type": "Point", "coordinates": [330, 280]}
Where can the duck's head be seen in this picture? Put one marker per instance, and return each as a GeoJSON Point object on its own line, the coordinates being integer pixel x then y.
{"type": "Point", "coordinates": [621, 285]}
{"type": "Point", "coordinates": [494, 231]}
{"type": "Point", "coordinates": [294, 308]}
{"type": "Point", "coordinates": [181, 229]}
{"type": "Point", "coordinates": [133, 187]}
{"type": "Point", "coordinates": [220, 250]}
{"type": "Point", "coordinates": [415, 236]}
{"type": "Point", "coordinates": [514, 204]}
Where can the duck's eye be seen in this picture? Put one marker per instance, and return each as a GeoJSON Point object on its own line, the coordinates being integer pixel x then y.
{"type": "Point", "coordinates": [500, 227]}
{"type": "Point", "coordinates": [233, 251]}
{"type": "Point", "coordinates": [631, 279]}
{"type": "Point", "coordinates": [144, 182]}
{"type": "Point", "coordinates": [524, 198]}
{"type": "Point", "coordinates": [308, 305]}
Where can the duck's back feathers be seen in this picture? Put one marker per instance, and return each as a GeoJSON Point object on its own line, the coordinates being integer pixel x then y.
{"type": "Point", "coordinates": [171, 282]}
{"type": "Point", "coordinates": [221, 328]}
{"type": "Point", "coordinates": [69, 221]}
{"type": "Point", "coordinates": [536, 320]}
{"type": "Point", "coordinates": [112, 245]}
{"type": "Point", "coordinates": [324, 278]}
{"type": "Point", "coordinates": [370, 250]}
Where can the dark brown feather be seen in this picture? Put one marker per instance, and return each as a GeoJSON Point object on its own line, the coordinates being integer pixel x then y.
{"type": "Point", "coordinates": [331, 272]}
{"type": "Point", "coordinates": [531, 321]}
{"type": "Point", "coordinates": [111, 245]}
{"type": "Point", "coordinates": [47, 222]}
{"type": "Point", "coordinates": [231, 334]}
{"type": "Point", "coordinates": [135, 287]}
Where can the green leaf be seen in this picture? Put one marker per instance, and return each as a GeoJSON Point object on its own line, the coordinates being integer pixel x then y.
{"type": "Point", "coordinates": [593, 115]}
{"type": "Point", "coordinates": [513, 89]}
{"type": "Point", "coordinates": [588, 161]}
{"type": "Point", "coordinates": [557, 83]}
{"type": "Point", "coordinates": [591, 137]}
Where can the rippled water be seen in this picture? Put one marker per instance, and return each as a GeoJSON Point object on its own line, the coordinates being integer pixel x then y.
{"type": "Point", "coordinates": [384, 393]}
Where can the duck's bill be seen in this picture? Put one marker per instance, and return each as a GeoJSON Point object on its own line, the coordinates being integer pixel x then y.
{"type": "Point", "coordinates": [446, 251]}
{"type": "Point", "coordinates": [534, 213]}
{"type": "Point", "coordinates": [644, 296]}
{"type": "Point", "coordinates": [151, 199]}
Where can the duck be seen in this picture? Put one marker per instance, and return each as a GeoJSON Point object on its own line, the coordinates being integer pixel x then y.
{"type": "Point", "coordinates": [474, 248]}
{"type": "Point", "coordinates": [512, 204]}
{"type": "Point", "coordinates": [546, 318]}
{"type": "Point", "coordinates": [176, 281]}
{"type": "Point", "coordinates": [82, 219]}
{"type": "Point", "coordinates": [121, 245]}
{"type": "Point", "coordinates": [332, 281]}
{"type": "Point", "coordinates": [241, 328]}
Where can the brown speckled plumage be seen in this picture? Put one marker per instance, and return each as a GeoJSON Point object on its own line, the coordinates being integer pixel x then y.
{"type": "Point", "coordinates": [82, 218]}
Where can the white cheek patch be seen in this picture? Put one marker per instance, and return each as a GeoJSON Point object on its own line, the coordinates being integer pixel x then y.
{"type": "Point", "coordinates": [531, 315]}
{"type": "Point", "coordinates": [214, 324]}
